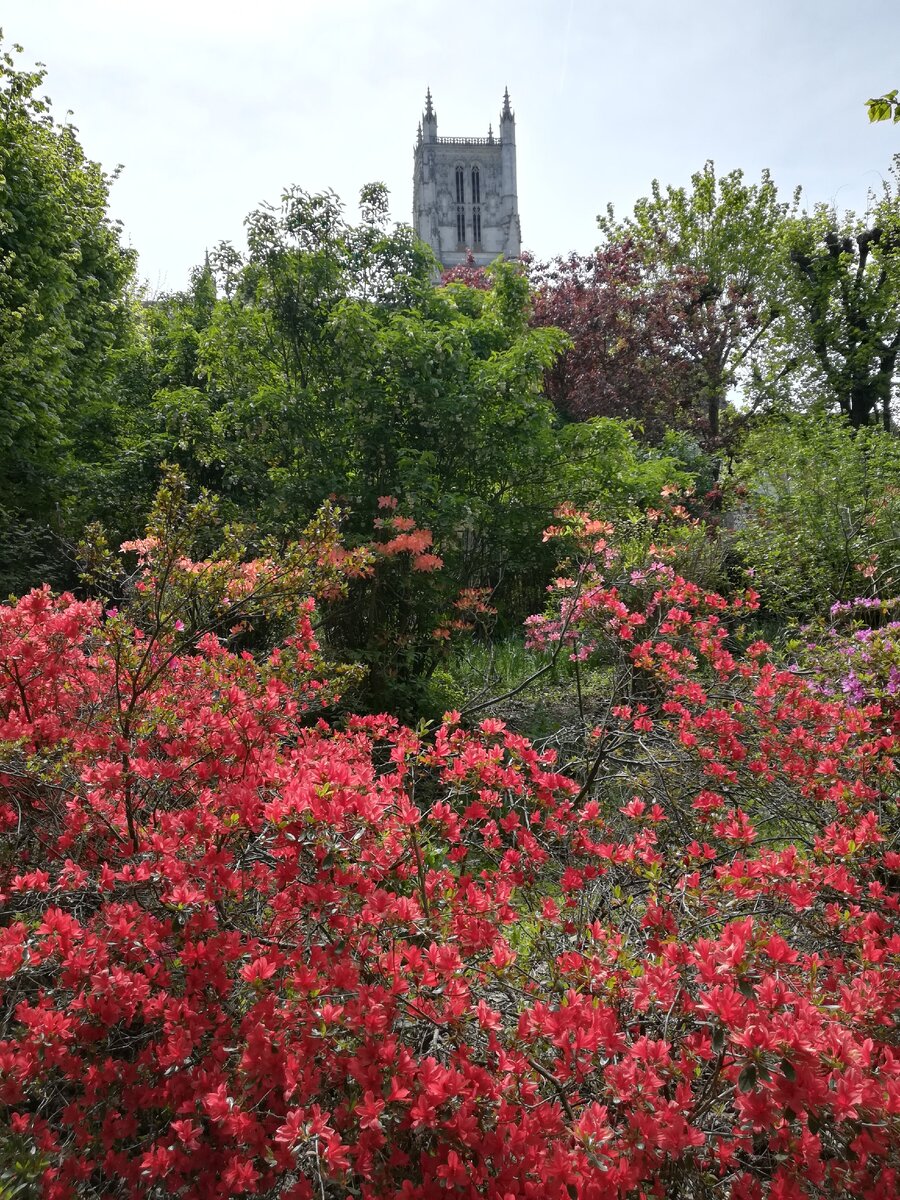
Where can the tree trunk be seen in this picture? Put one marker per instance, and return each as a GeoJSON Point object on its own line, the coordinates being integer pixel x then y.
{"type": "Point", "coordinates": [713, 408]}
{"type": "Point", "coordinates": [886, 366]}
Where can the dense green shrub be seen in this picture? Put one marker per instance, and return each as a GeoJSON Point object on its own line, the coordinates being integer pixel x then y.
{"type": "Point", "coordinates": [817, 515]}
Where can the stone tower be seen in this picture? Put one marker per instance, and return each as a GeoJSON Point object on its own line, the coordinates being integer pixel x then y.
{"type": "Point", "coordinates": [464, 191]}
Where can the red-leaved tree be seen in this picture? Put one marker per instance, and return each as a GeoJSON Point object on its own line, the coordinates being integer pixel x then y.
{"type": "Point", "coordinates": [631, 354]}
{"type": "Point", "coordinates": [469, 273]}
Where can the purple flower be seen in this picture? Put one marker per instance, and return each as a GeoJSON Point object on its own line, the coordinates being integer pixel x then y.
{"type": "Point", "coordinates": [853, 689]}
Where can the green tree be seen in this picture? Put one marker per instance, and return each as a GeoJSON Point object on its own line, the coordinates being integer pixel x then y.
{"type": "Point", "coordinates": [607, 470]}
{"type": "Point", "coordinates": [156, 410]}
{"type": "Point", "coordinates": [63, 312]}
{"type": "Point", "coordinates": [724, 230]}
{"type": "Point", "coordinates": [332, 366]}
{"type": "Point", "coordinates": [842, 319]}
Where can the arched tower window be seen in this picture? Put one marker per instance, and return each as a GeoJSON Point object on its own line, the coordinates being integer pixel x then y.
{"type": "Point", "coordinates": [476, 207]}
{"type": "Point", "coordinates": [460, 206]}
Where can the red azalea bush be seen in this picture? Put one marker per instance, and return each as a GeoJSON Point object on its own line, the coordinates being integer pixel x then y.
{"type": "Point", "coordinates": [244, 951]}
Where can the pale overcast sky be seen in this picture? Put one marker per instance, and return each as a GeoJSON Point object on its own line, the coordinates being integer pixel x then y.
{"type": "Point", "coordinates": [213, 107]}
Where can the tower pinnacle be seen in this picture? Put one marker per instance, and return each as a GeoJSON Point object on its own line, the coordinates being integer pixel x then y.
{"type": "Point", "coordinates": [507, 113]}
{"type": "Point", "coordinates": [429, 120]}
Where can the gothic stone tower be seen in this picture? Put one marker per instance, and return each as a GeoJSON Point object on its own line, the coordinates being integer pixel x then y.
{"type": "Point", "coordinates": [464, 191]}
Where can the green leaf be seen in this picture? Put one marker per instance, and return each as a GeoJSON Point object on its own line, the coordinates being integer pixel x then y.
{"type": "Point", "coordinates": [747, 1078]}
{"type": "Point", "coordinates": [882, 108]}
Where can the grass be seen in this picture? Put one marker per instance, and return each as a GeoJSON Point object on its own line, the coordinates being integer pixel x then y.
{"type": "Point", "coordinates": [546, 710]}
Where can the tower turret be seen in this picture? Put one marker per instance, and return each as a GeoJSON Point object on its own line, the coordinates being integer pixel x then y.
{"type": "Point", "coordinates": [509, 189]}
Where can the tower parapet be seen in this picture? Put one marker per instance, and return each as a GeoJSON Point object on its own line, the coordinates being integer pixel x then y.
{"type": "Point", "coordinates": [465, 196]}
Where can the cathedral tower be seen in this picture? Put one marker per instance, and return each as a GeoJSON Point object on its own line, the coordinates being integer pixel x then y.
{"type": "Point", "coordinates": [464, 191]}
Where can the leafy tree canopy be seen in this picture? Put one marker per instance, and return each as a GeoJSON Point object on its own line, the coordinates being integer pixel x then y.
{"type": "Point", "coordinates": [330, 365]}
{"type": "Point", "coordinates": [630, 353]}
{"type": "Point", "coordinates": [723, 228]}
{"type": "Point", "coordinates": [63, 307]}
{"type": "Point", "coordinates": [842, 315]}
